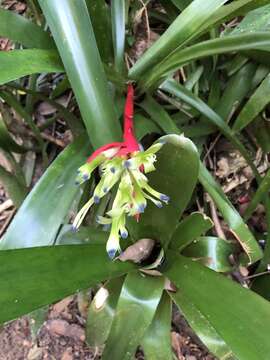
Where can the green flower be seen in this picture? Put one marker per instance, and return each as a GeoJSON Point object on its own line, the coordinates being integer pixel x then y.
{"type": "Point", "coordinates": [128, 171]}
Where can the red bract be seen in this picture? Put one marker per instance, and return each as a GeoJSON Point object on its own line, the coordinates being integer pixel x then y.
{"type": "Point", "coordinates": [130, 143]}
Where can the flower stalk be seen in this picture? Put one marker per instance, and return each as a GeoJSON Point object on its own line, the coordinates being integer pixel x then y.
{"type": "Point", "coordinates": [125, 164]}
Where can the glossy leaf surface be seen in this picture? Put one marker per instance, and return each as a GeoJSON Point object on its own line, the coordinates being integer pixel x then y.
{"type": "Point", "coordinates": [176, 176]}
{"type": "Point", "coordinates": [242, 327]}
{"type": "Point", "coordinates": [47, 274]}
{"type": "Point", "coordinates": [212, 252]}
{"type": "Point", "coordinates": [40, 216]}
{"type": "Point", "coordinates": [18, 63]}
{"type": "Point", "coordinates": [202, 326]}
{"type": "Point", "coordinates": [99, 13]}
{"type": "Point", "coordinates": [189, 229]}
{"type": "Point", "coordinates": [135, 311]}
{"type": "Point", "coordinates": [157, 339]}
{"type": "Point", "coordinates": [100, 316]}
{"type": "Point", "coordinates": [118, 12]}
{"type": "Point", "coordinates": [74, 36]}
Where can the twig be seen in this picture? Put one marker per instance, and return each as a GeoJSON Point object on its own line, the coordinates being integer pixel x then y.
{"type": "Point", "coordinates": [215, 218]}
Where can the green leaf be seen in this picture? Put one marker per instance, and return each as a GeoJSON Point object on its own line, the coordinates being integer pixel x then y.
{"type": "Point", "coordinates": [261, 285]}
{"type": "Point", "coordinates": [100, 17]}
{"type": "Point", "coordinates": [176, 176]}
{"type": "Point", "coordinates": [255, 104]}
{"type": "Point", "coordinates": [238, 315]}
{"type": "Point", "coordinates": [159, 115]}
{"type": "Point", "coordinates": [84, 235]}
{"type": "Point", "coordinates": [101, 313]}
{"type": "Point", "coordinates": [256, 20]}
{"type": "Point", "coordinates": [157, 339]}
{"type": "Point", "coordinates": [6, 141]}
{"type": "Point", "coordinates": [231, 216]}
{"type": "Point", "coordinates": [135, 311]}
{"type": "Point", "coordinates": [181, 31]}
{"type": "Point", "coordinates": [47, 274]}
{"type": "Point", "coordinates": [190, 229]}
{"type": "Point", "coordinates": [181, 4]}
{"type": "Point", "coordinates": [40, 216]}
{"type": "Point", "coordinates": [17, 28]}
{"type": "Point", "coordinates": [233, 9]}
{"type": "Point", "coordinates": [237, 88]}
{"type": "Point", "coordinates": [202, 327]}
{"type": "Point", "coordinates": [118, 10]}
{"type": "Point", "coordinates": [187, 96]}
{"type": "Point", "coordinates": [212, 252]}
{"type": "Point", "coordinates": [15, 189]}
{"type": "Point", "coordinates": [74, 36]}
{"type": "Point", "coordinates": [144, 126]}
{"type": "Point", "coordinates": [261, 193]}
{"type": "Point", "coordinates": [18, 63]}
{"type": "Point", "coordinates": [203, 49]}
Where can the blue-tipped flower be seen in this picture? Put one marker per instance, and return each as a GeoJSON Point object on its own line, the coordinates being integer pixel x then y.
{"type": "Point", "coordinates": [128, 171]}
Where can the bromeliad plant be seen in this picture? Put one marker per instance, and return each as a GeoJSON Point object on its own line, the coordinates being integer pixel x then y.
{"type": "Point", "coordinates": [124, 163]}
{"type": "Point", "coordinates": [156, 266]}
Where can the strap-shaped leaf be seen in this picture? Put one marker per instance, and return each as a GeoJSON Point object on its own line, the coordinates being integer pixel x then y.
{"type": "Point", "coordinates": [17, 28]}
{"type": "Point", "coordinates": [262, 191]}
{"type": "Point", "coordinates": [182, 30]}
{"type": "Point", "coordinates": [135, 311]}
{"type": "Point", "coordinates": [118, 11]}
{"type": "Point", "coordinates": [256, 20]}
{"type": "Point", "coordinates": [71, 27]}
{"type": "Point", "coordinates": [32, 278]}
{"type": "Point", "coordinates": [240, 318]}
{"type": "Point", "coordinates": [260, 40]}
{"type": "Point", "coordinates": [157, 339]}
{"type": "Point", "coordinates": [256, 103]}
{"type": "Point", "coordinates": [176, 176]}
{"type": "Point", "coordinates": [182, 93]}
{"type": "Point", "coordinates": [203, 328]}
{"type": "Point", "coordinates": [99, 13]}
{"type": "Point", "coordinates": [102, 311]}
{"type": "Point", "coordinates": [190, 229]}
{"type": "Point", "coordinates": [39, 218]}
{"type": "Point", "coordinates": [18, 63]}
{"type": "Point", "coordinates": [159, 115]}
{"type": "Point", "coordinates": [232, 217]}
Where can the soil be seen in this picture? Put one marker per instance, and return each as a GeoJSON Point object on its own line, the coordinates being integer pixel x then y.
{"type": "Point", "coordinates": [62, 337]}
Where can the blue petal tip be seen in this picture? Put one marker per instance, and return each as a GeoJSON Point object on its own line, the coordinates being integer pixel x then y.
{"type": "Point", "coordinates": [74, 229]}
{"type": "Point", "coordinates": [127, 164]}
{"type": "Point", "coordinates": [141, 208]}
{"type": "Point", "coordinates": [112, 170]}
{"type": "Point", "coordinates": [96, 199]}
{"type": "Point", "coordinates": [164, 198]}
{"type": "Point", "coordinates": [112, 253]}
{"type": "Point", "coordinates": [124, 234]}
{"type": "Point", "coordinates": [85, 177]}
